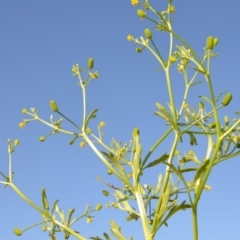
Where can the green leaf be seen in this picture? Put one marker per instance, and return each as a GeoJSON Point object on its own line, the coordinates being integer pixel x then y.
{"type": "Point", "coordinates": [188, 170]}
{"type": "Point", "coordinates": [45, 200]}
{"type": "Point", "coordinates": [175, 209]}
{"type": "Point", "coordinates": [164, 114]}
{"type": "Point", "coordinates": [116, 231]}
{"type": "Point", "coordinates": [201, 170]}
{"type": "Point", "coordinates": [90, 116]}
{"type": "Point", "coordinates": [54, 205]}
{"type": "Point", "coordinates": [206, 99]}
{"type": "Point", "coordinates": [70, 213]}
{"type": "Point", "coordinates": [193, 140]}
{"type": "Point", "coordinates": [106, 236]}
{"type": "Point", "coordinates": [163, 158]}
{"type": "Point", "coordinates": [159, 184]}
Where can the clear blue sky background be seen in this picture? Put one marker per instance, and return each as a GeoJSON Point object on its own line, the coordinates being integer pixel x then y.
{"type": "Point", "coordinates": [40, 41]}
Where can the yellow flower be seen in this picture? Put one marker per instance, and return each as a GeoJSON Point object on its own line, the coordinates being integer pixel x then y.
{"type": "Point", "coordinates": [185, 105]}
{"type": "Point", "coordinates": [82, 144]}
{"type": "Point", "coordinates": [95, 75]}
{"type": "Point", "coordinates": [102, 124]}
{"type": "Point", "coordinates": [135, 2]}
{"type": "Point", "coordinates": [130, 37]}
{"type": "Point", "coordinates": [22, 125]}
{"type": "Point", "coordinates": [89, 219]}
{"type": "Point", "coordinates": [171, 9]}
{"type": "Point", "coordinates": [75, 70]}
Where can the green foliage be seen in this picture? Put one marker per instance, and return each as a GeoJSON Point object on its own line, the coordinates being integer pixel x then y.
{"type": "Point", "coordinates": [158, 203]}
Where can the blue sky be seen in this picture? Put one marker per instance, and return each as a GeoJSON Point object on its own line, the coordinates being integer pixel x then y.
{"type": "Point", "coordinates": [40, 41]}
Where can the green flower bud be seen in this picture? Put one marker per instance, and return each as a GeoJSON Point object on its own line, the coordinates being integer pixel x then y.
{"type": "Point", "coordinates": [109, 172]}
{"type": "Point", "coordinates": [98, 207]}
{"type": "Point", "coordinates": [209, 42]}
{"type": "Point", "coordinates": [17, 231]}
{"type": "Point", "coordinates": [105, 193]}
{"type": "Point", "coordinates": [148, 33]}
{"type": "Point", "coordinates": [135, 132]}
{"type": "Point", "coordinates": [24, 111]}
{"type": "Point", "coordinates": [53, 106]}
{"type": "Point", "coordinates": [215, 42]}
{"type": "Point", "coordinates": [90, 63]}
{"type": "Point", "coordinates": [227, 99]}
{"type": "Point", "coordinates": [172, 59]}
{"type": "Point", "coordinates": [41, 139]}
{"type": "Point", "coordinates": [212, 125]}
{"type": "Point", "coordinates": [235, 139]}
{"type": "Point", "coordinates": [201, 105]}
{"type": "Point", "coordinates": [16, 142]}
{"type": "Point", "coordinates": [185, 61]}
{"type": "Point", "coordinates": [226, 120]}
{"type": "Point", "coordinates": [138, 49]}
{"type": "Point", "coordinates": [88, 131]}
{"type": "Point", "coordinates": [44, 228]}
{"type": "Point", "coordinates": [141, 13]}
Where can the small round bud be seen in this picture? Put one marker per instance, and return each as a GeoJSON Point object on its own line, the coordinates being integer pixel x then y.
{"type": "Point", "coordinates": [98, 207]}
{"type": "Point", "coordinates": [215, 42]}
{"type": "Point", "coordinates": [90, 63]}
{"type": "Point", "coordinates": [24, 111]}
{"type": "Point", "coordinates": [109, 172]}
{"type": "Point", "coordinates": [44, 228]}
{"type": "Point", "coordinates": [17, 231]}
{"type": "Point", "coordinates": [227, 99]}
{"type": "Point", "coordinates": [102, 124]}
{"type": "Point", "coordinates": [212, 125]}
{"type": "Point", "coordinates": [16, 142]}
{"type": "Point", "coordinates": [41, 139]}
{"type": "Point", "coordinates": [105, 193]}
{"type": "Point", "coordinates": [226, 120]}
{"type": "Point", "coordinates": [209, 42]}
{"type": "Point", "coordinates": [148, 33]}
{"type": "Point", "coordinates": [53, 106]}
{"type": "Point", "coordinates": [141, 13]}
{"type": "Point", "coordinates": [172, 59]}
{"type": "Point", "coordinates": [88, 131]}
{"type": "Point", "coordinates": [82, 144]}
{"type": "Point", "coordinates": [138, 50]}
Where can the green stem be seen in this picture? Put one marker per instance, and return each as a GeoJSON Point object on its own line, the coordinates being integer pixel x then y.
{"type": "Point", "coordinates": [69, 120]}
{"type": "Point", "coordinates": [195, 223]}
{"type": "Point", "coordinates": [143, 215]}
{"type": "Point", "coordinates": [24, 197]}
{"type": "Point", "coordinates": [165, 183]}
{"type": "Point", "coordinates": [158, 142]}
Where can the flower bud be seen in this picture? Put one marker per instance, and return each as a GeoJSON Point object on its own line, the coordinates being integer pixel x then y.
{"type": "Point", "coordinates": [88, 131]}
{"type": "Point", "coordinates": [212, 125]}
{"type": "Point", "coordinates": [41, 139]}
{"type": "Point", "coordinates": [215, 42]}
{"type": "Point", "coordinates": [201, 105]}
{"type": "Point", "coordinates": [82, 144]}
{"type": "Point", "coordinates": [226, 119]}
{"type": "Point", "coordinates": [209, 42]}
{"type": "Point", "coordinates": [139, 50]}
{"type": "Point", "coordinates": [44, 228]}
{"type": "Point", "coordinates": [16, 142]}
{"type": "Point", "coordinates": [53, 106]}
{"type": "Point", "coordinates": [17, 231]}
{"type": "Point", "coordinates": [98, 207]}
{"type": "Point", "coordinates": [227, 99]}
{"type": "Point", "coordinates": [148, 33]}
{"type": "Point", "coordinates": [109, 172]}
{"type": "Point", "coordinates": [90, 63]}
{"type": "Point", "coordinates": [141, 13]}
{"type": "Point", "coordinates": [24, 111]}
{"type": "Point", "coordinates": [105, 193]}
{"type": "Point", "coordinates": [135, 132]}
